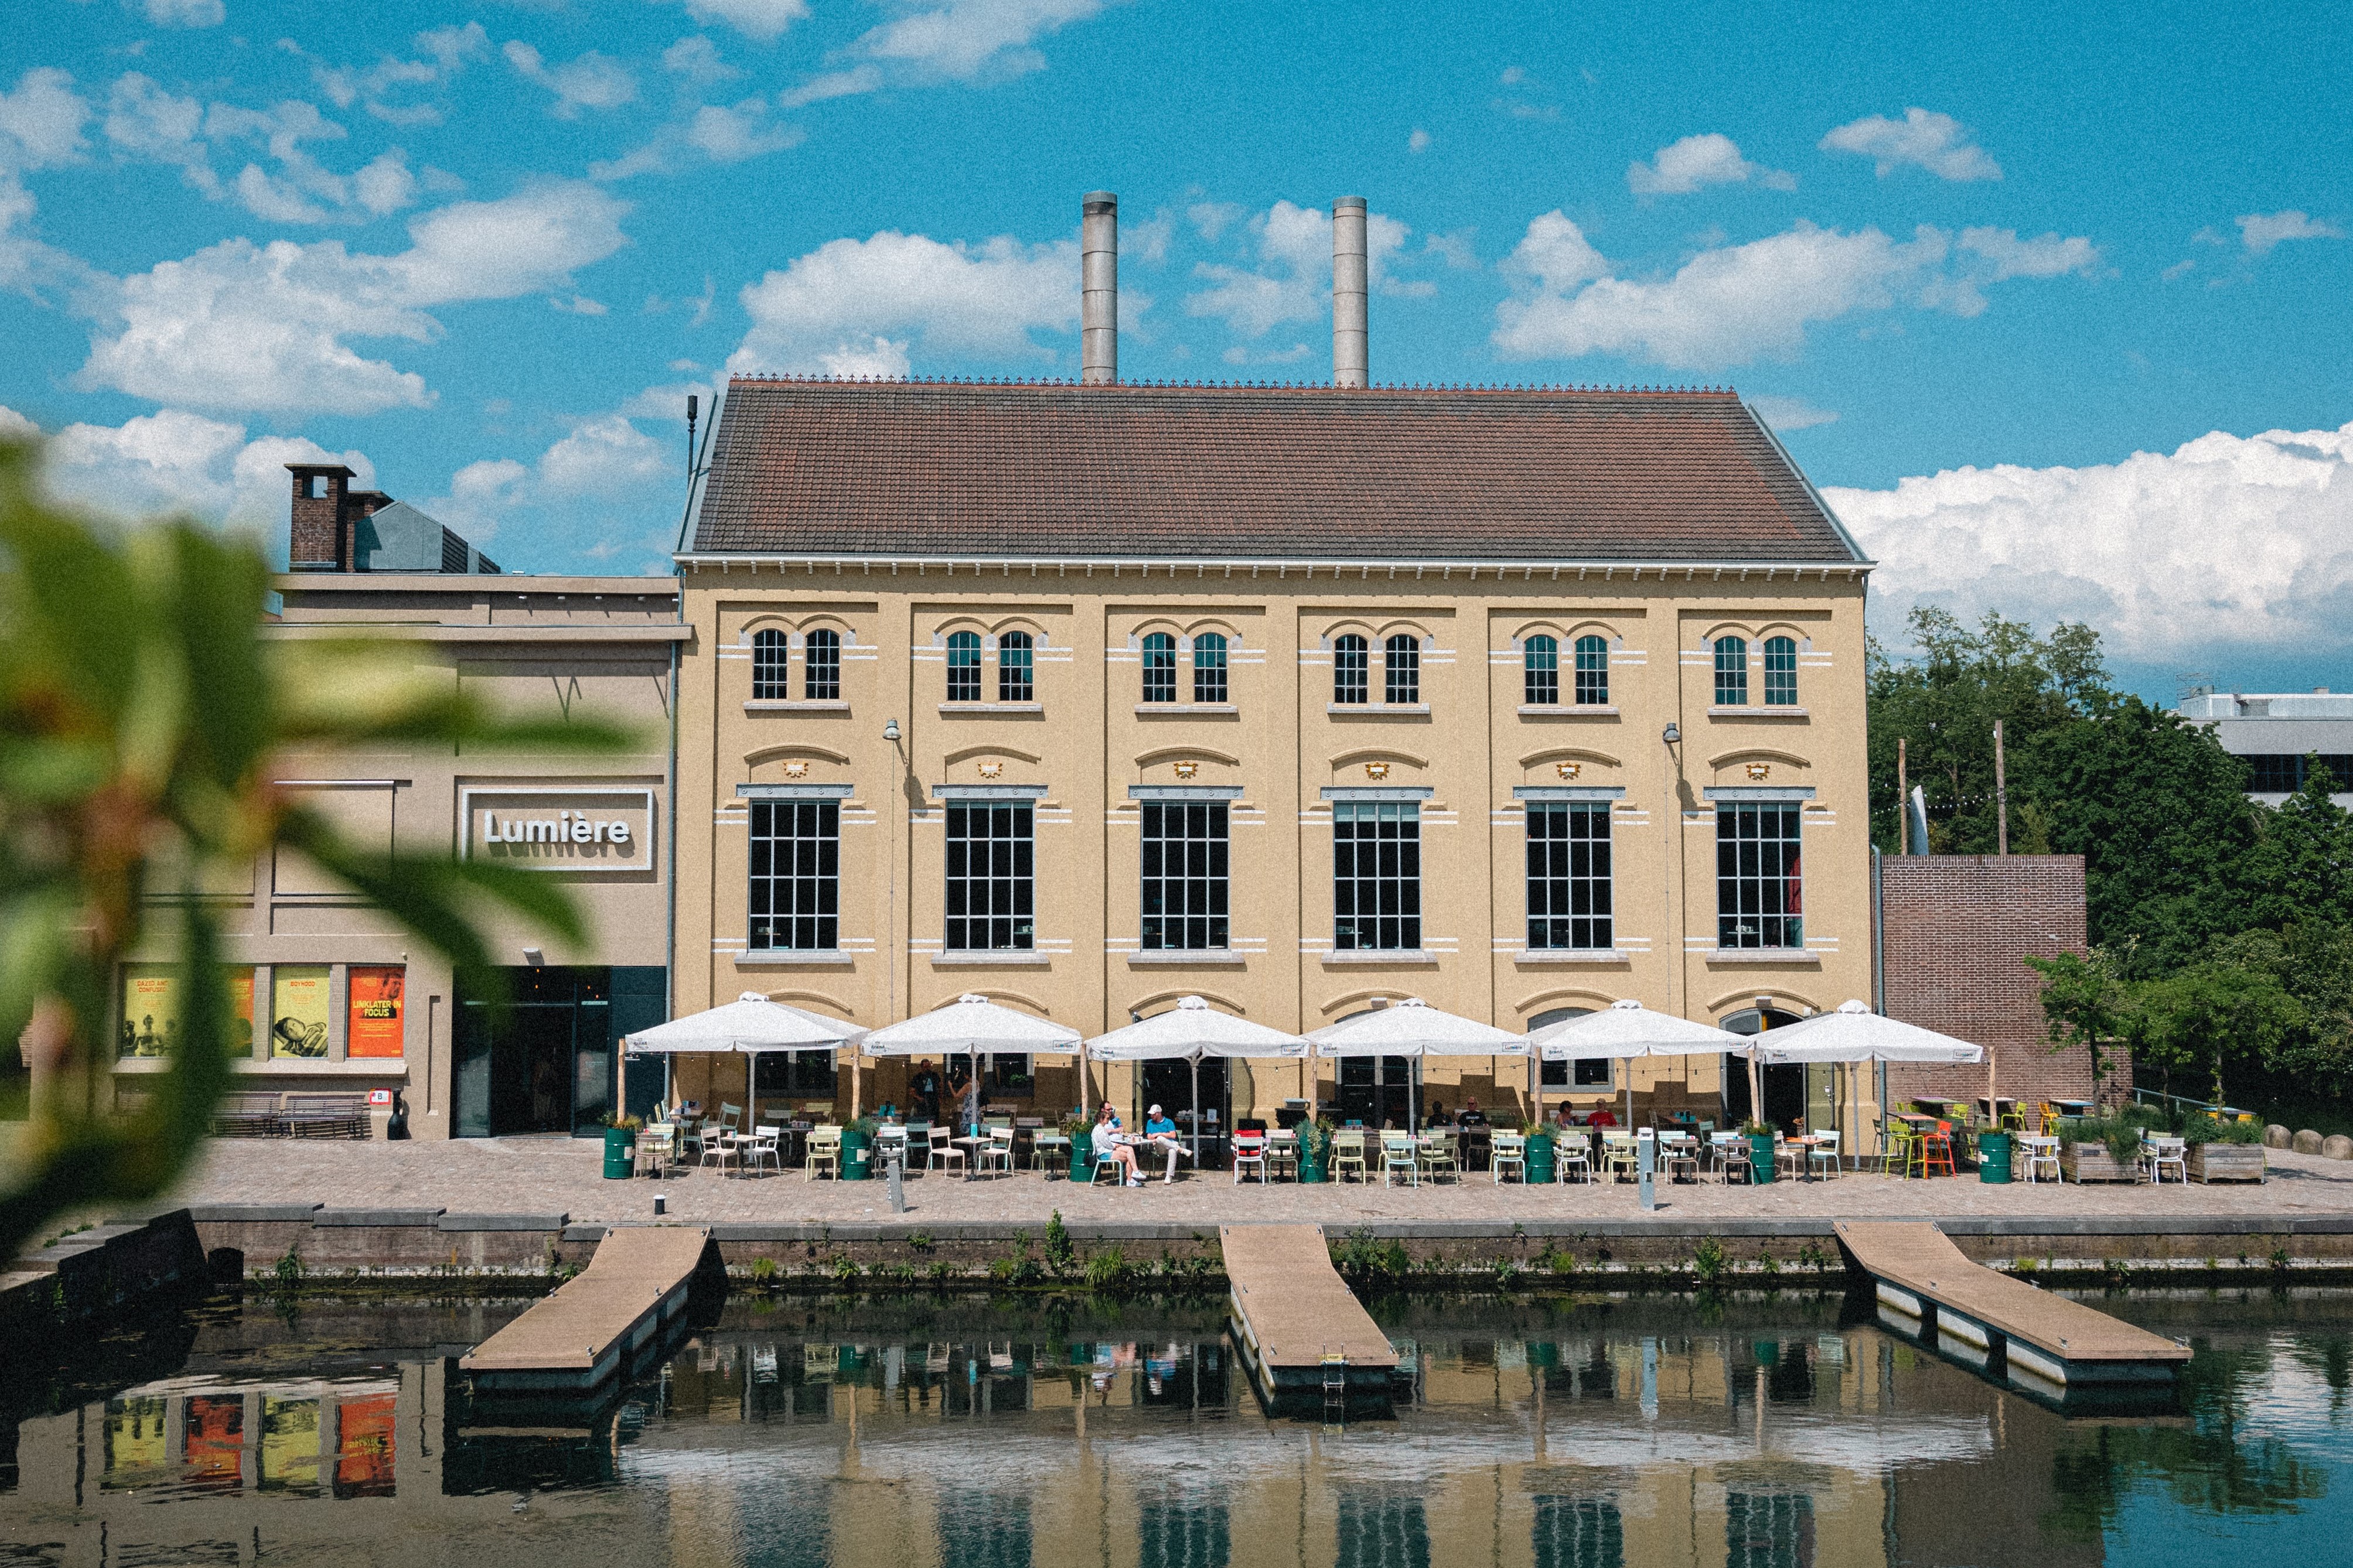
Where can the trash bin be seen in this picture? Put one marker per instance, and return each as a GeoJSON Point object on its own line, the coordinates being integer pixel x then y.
{"type": "Point", "coordinates": [856, 1150]}
{"type": "Point", "coordinates": [1760, 1157]}
{"type": "Point", "coordinates": [1082, 1157]}
{"type": "Point", "coordinates": [620, 1154]}
{"type": "Point", "coordinates": [1993, 1157]}
{"type": "Point", "coordinates": [1542, 1165]}
{"type": "Point", "coordinates": [1311, 1162]}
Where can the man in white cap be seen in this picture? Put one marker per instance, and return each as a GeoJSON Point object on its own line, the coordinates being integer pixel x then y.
{"type": "Point", "coordinates": [1157, 1126]}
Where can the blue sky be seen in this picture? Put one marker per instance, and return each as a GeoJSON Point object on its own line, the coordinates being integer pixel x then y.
{"type": "Point", "coordinates": [1970, 260]}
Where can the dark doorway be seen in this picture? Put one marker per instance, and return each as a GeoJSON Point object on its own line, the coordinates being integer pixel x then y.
{"type": "Point", "coordinates": [540, 1059]}
{"type": "Point", "coordinates": [1784, 1086]}
{"type": "Point", "coordinates": [1374, 1090]}
{"type": "Point", "coordinates": [1169, 1085]}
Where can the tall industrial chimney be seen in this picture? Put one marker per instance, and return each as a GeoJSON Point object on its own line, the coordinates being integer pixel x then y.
{"type": "Point", "coordinates": [1349, 344]}
{"type": "Point", "coordinates": [1099, 289]}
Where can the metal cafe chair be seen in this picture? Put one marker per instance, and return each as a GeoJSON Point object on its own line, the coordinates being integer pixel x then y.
{"type": "Point", "coordinates": [1348, 1153]}
{"type": "Point", "coordinates": [996, 1154]}
{"type": "Point", "coordinates": [2038, 1154]}
{"type": "Point", "coordinates": [1250, 1149]}
{"type": "Point", "coordinates": [824, 1149]}
{"type": "Point", "coordinates": [945, 1152]}
{"type": "Point", "coordinates": [1572, 1151]}
{"type": "Point", "coordinates": [1400, 1152]}
{"type": "Point", "coordinates": [762, 1146]}
{"type": "Point", "coordinates": [1507, 1150]}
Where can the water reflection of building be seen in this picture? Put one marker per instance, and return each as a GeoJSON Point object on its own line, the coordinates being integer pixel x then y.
{"type": "Point", "coordinates": [1539, 1444]}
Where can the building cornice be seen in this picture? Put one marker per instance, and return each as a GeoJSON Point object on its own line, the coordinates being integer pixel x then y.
{"type": "Point", "coordinates": [728, 562]}
{"type": "Point", "coordinates": [656, 633]}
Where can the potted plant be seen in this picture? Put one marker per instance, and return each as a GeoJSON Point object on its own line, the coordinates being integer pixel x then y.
{"type": "Point", "coordinates": [2100, 1148]}
{"type": "Point", "coordinates": [1081, 1132]}
{"type": "Point", "coordinates": [1542, 1167]}
{"type": "Point", "coordinates": [1760, 1150]}
{"type": "Point", "coordinates": [858, 1148]}
{"type": "Point", "coordinates": [620, 1147]}
{"type": "Point", "coordinates": [1314, 1150]}
{"type": "Point", "coordinates": [2224, 1150]}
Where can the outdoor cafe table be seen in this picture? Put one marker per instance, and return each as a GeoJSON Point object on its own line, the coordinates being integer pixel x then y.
{"type": "Point", "coordinates": [2072, 1107]}
{"type": "Point", "coordinates": [972, 1146]}
{"type": "Point", "coordinates": [1054, 1147]}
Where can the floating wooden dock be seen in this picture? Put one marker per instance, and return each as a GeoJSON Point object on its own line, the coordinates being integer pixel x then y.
{"type": "Point", "coordinates": [1299, 1326]}
{"type": "Point", "coordinates": [2037, 1336]}
{"type": "Point", "coordinates": [583, 1335]}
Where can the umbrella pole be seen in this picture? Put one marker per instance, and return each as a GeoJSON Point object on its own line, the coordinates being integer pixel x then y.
{"type": "Point", "coordinates": [1629, 1063]}
{"type": "Point", "coordinates": [1196, 1111]}
{"type": "Point", "coordinates": [1756, 1090]}
{"type": "Point", "coordinates": [857, 1083]}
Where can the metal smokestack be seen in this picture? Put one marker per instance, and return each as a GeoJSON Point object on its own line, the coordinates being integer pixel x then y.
{"type": "Point", "coordinates": [1350, 347]}
{"type": "Point", "coordinates": [1099, 289]}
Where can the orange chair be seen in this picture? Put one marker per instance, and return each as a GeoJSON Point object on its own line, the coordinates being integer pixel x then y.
{"type": "Point", "coordinates": [1936, 1149]}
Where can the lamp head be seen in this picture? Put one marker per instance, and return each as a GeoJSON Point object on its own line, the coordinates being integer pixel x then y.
{"type": "Point", "coordinates": [1673, 735]}
{"type": "Point", "coordinates": [890, 729]}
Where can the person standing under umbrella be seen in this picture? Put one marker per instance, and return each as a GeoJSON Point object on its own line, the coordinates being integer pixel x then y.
{"type": "Point", "coordinates": [964, 1086]}
{"type": "Point", "coordinates": [924, 1089]}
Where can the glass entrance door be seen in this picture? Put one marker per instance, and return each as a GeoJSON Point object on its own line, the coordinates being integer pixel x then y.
{"type": "Point", "coordinates": [1374, 1090]}
{"type": "Point", "coordinates": [538, 1060]}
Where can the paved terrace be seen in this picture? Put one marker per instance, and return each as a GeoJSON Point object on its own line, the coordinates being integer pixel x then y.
{"type": "Point", "coordinates": [564, 1175]}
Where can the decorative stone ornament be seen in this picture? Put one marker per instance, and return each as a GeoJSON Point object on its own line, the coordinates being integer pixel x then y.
{"type": "Point", "coordinates": [1376, 770]}
{"type": "Point", "coordinates": [797, 769]}
{"type": "Point", "coordinates": [1568, 770]}
{"type": "Point", "coordinates": [1759, 772]}
{"type": "Point", "coordinates": [1185, 770]}
{"type": "Point", "coordinates": [991, 768]}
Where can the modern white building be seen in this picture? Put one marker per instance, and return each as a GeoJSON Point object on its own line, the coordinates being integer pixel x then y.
{"type": "Point", "coordinates": [2279, 733]}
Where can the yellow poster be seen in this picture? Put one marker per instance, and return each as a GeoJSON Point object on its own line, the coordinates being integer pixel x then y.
{"type": "Point", "coordinates": [298, 1010]}
{"type": "Point", "coordinates": [374, 1029]}
{"type": "Point", "coordinates": [290, 1445]}
{"type": "Point", "coordinates": [240, 1004]}
{"type": "Point", "coordinates": [151, 1009]}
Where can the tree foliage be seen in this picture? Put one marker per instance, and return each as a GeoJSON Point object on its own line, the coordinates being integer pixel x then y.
{"type": "Point", "coordinates": [142, 714]}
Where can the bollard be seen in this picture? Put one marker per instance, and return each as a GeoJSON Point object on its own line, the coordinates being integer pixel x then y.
{"type": "Point", "coordinates": [895, 1156]}
{"type": "Point", "coordinates": [1646, 1165]}
{"type": "Point", "coordinates": [661, 1205]}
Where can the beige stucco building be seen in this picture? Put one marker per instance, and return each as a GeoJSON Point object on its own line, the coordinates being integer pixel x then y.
{"type": "Point", "coordinates": [1302, 700]}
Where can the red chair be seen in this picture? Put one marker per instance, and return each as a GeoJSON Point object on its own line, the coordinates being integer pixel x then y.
{"type": "Point", "coordinates": [1250, 1149]}
{"type": "Point", "coordinates": [1937, 1149]}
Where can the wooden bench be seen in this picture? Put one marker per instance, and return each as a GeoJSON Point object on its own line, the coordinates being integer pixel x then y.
{"type": "Point", "coordinates": [326, 1115]}
{"type": "Point", "coordinates": [249, 1115]}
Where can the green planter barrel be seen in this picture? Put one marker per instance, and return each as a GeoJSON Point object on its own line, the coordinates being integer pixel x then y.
{"type": "Point", "coordinates": [1083, 1158]}
{"type": "Point", "coordinates": [1543, 1162]}
{"type": "Point", "coordinates": [1310, 1165]}
{"type": "Point", "coordinates": [1761, 1156]}
{"type": "Point", "coordinates": [620, 1154]}
{"type": "Point", "coordinates": [856, 1152]}
{"type": "Point", "coordinates": [1993, 1158]}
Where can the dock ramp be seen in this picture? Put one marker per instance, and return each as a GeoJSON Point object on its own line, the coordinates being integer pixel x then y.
{"type": "Point", "coordinates": [584, 1334]}
{"type": "Point", "coordinates": [1299, 1326]}
{"type": "Point", "coordinates": [1918, 1273]}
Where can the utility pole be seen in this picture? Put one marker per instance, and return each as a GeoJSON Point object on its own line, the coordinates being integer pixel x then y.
{"type": "Point", "coordinates": [2001, 797]}
{"type": "Point", "coordinates": [1903, 801]}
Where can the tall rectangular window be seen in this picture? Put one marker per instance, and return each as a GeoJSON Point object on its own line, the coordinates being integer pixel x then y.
{"type": "Point", "coordinates": [1016, 669]}
{"type": "Point", "coordinates": [964, 667]}
{"type": "Point", "coordinates": [770, 654]}
{"type": "Point", "coordinates": [1780, 672]}
{"type": "Point", "coordinates": [1759, 881]}
{"type": "Point", "coordinates": [822, 683]}
{"type": "Point", "coordinates": [1592, 672]}
{"type": "Point", "coordinates": [1770, 1530]}
{"type": "Point", "coordinates": [796, 875]}
{"type": "Point", "coordinates": [1731, 672]}
{"type": "Point", "coordinates": [1578, 1532]}
{"type": "Point", "coordinates": [1568, 875]}
{"type": "Point", "coordinates": [1380, 1528]}
{"type": "Point", "coordinates": [1209, 667]}
{"type": "Point", "coordinates": [1159, 667]}
{"type": "Point", "coordinates": [1401, 670]}
{"type": "Point", "coordinates": [1184, 874]}
{"type": "Point", "coordinates": [1375, 875]}
{"type": "Point", "coordinates": [1351, 660]}
{"type": "Point", "coordinates": [991, 899]}
{"type": "Point", "coordinates": [1540, 671]}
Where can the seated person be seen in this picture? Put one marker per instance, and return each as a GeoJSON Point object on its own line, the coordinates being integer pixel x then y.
{"type": "Point", "coordinates": [1434, 1116]}
{"type": "Point", "coordinates": [1107, 1143]}
{"type": "Point", "coordinates": [1157, 1125]}
{"type": "Point", "coordinates": [1470, 1115]}
{"type": "Point", "coordinates": [1601, 1117]}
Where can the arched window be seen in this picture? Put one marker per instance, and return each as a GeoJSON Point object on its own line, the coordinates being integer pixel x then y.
{"type": "Point", "coordinates": [1586, 1073]}
{"type": "Point", "coordinates": [1540, 659]}
{"type": "Point", "coordinates": [1593, 672]}
{"type": "Point", "coordinates": [768, 667]}
{"type": "Point", "coordinates": [1159, 667]}
{"type": "Point", "coordinates": [1209, 667]}
{"type": "Point", "coordinates": [1401, 667]}
{"type": "Point", "coordinates": [1016, 669]}
{"type": "Point", "coordinates": [964, 667]}
{"type": "Point", "coordinates": [1731, 672]}
{"type": "Point", "coordinates": [1351, 662]}
{"type": "Point", "coordinates": [1780, 672]}
{"type": "Point", "coordinates": [823, 681]}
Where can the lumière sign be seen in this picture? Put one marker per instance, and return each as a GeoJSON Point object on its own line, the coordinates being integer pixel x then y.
{"type": "Point", "coordinates": [559, 829]}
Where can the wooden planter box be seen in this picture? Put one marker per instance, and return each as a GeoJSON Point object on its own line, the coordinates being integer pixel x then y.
{"type": "Point", "coordinates": [2093, 1163]}
{"type": "Point", "coordinates": [2226, 1162]}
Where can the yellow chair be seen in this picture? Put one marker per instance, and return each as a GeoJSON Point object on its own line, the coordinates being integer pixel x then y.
{"type": "Point", "coordinates": [1347, 1154]}
{"type": "Point", "coordinates": [824, 1149]}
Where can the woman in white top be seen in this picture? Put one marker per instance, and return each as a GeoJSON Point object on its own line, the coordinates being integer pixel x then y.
{"type": "Point", "coordinates": [1107, 1142]}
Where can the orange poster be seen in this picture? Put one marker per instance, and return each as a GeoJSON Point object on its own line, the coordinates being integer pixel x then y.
{"type": "Point", "coordinates": [377, 1002]}
{"type": "Point", "coordinates": [363, 1446]}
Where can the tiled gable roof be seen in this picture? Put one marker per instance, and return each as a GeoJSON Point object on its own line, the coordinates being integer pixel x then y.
{"type": "Point", "coordinates": [966, 469]}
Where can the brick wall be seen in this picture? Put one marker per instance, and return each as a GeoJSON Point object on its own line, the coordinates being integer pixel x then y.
{"type": "Point", "coordinates": [1956, 931]}
{"type": "Point", "coordinates": [319, 537]}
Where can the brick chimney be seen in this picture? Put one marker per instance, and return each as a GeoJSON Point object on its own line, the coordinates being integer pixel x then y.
{"type": "Point", "coordinates": [321, 540]}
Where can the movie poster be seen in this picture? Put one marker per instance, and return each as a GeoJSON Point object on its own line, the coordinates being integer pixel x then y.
{"type": "Point", "coordinates": [152, 1010]}
{"type": "Point", "coordinates": [376, 1011]}
{"type": "Point", "coordinates": [298, 1010]}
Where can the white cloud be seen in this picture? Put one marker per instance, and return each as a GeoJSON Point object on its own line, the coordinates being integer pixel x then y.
{"type": "Point", "coordinates": [601, 455]}
{"type": "Point", "coordinates": [1213, 218]}
{"type": "Point", "coordinates": [173, 460]}
{"type": "Point", "coordinates": [730, 135]}
{"type": "Point", "coordinates": [873, 302]}
{"type": "Point", "coordinates": [1934, 142]}
{"type": "Point", "coordinates": [696, 58]}
{"type": "Point", "coordinates": [1683, 167]}
{"type": "Point", "coordinates": [1418, 141]}
{"type": "Point", "coordinates": [2261, 231]}
{"type": "Point", "coordinates": [143, 121]}
{"type": "Point", "coordinates": [185, 12]}
{"type": "Point", "coordinates": [1731, 304]}
{"type": "Point", "coordinates": [2229, 543]}
{"type": "Point", "coordinates": [1291, 279]}
{"type": "Point", "coordinates": [763, 19]}
{"type": "Point", "coordinates": [269, 327]}
{"type": "Point", "coordinates": [1790, 413]}
{"type": "Point", "coordinates": [2049, 256]}
{"type": "Point", "coordinates": [592, 81]}
{"type": "Point", "coordinates": [41, 120]}
{"type": "Point", "coordinates": [948, 40]}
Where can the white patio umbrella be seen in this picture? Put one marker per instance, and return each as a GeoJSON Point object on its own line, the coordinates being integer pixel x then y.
{"type": "Point", "coordinates": [1856, 1034]}
{"type": "Point", "coordinates": [1190, 1030]}
{"type": "Point", "coordinates": [1414, 1029]}
{"type": "Point", "coordinates": [973, 1025]}
{"type": "Point", "coordinates": [750, 1024]}
{"type": "Point", "coordinates": [1626, 1029]}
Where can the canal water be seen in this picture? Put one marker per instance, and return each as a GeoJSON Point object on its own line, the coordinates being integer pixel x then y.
{"type": "Point", "coordinates": [945, 1432]}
